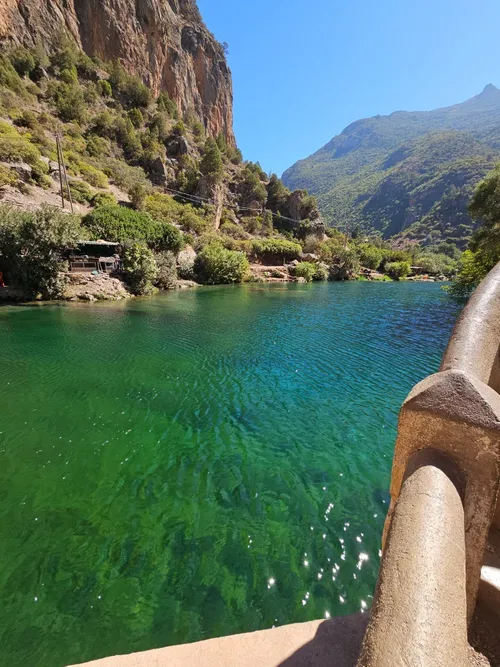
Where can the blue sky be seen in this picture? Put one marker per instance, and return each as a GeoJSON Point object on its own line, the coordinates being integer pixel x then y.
{"type": "Point", "coordinates": [304, 69]}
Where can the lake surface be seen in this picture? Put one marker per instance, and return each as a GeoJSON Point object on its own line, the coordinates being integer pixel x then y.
{"type": "Point", "coordinates": [200, 463]}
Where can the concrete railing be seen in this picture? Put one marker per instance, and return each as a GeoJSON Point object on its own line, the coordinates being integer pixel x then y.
{"type": "Point", "coordinates": [444, 489]}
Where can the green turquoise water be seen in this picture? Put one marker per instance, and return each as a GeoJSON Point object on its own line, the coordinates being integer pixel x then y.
{"type": "Point", "coordinates": [200, 463]}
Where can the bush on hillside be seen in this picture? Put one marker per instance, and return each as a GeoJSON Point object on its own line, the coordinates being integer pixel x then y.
{"type": "Point", "coordinates": [128, 88]}
{"type": "Point", "coordinates": [123, 175]}
{"type": "Point", "coordinates": [7, 176]}
{"type": "Point", "coordinates": [397, 270]}
{"type": "Point", "coordinates": [166, 104]}
{"type": "Point", "coordinates": [81, 192]}
{"type": "Point", "coordinates": [343, 264]}
{"type": "Point", "coordinates": [139, 267]}
{"type": "Point", "coordinates": [22, 60]}
{"type": "Point", "coordinates": [215, 265]}
{"type": "Point", "coordinates": [167, 270]}
{"type": "Point", "coordinates": [94, 176]}
{"type": "Point", "coordinates": [211, 163]}
{"type": "Point", "coordinates": [321, 273]}
{"type": "Point", "coordinates": [251, 190]}
{"type": "Point", "coordinates": [9, 77]}
{"type": "Point", "coordinates": [136, 117]}
{"type": "Point", "coordinates": [370, 256]}
{"type": "Point", "coordinates": [305, 270]}
{"type": "Point", "coordinates": [121, 224]}
{"type": "Point", "coordinates": [276, 250]}
{"type": "Point", "coordinates": [104, 199]}
{"type": "Point", "coordinates": [69, 102]}
{"type": "Point", "coordinates": [104, 88]}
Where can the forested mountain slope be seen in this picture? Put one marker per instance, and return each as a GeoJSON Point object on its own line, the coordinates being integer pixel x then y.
{"type": "Point", "coordinates": [410, 173]}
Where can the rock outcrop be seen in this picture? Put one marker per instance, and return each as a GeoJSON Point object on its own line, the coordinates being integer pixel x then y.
{"type": "Point", "coordinates": [163, 41]}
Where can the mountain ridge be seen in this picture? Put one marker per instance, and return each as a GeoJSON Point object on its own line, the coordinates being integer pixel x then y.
{"type": "Point", "coordinates": [351, 175]}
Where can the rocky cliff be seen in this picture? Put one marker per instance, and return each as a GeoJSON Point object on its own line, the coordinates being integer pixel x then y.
{"type": "Point", "coordinates": [164, 41]}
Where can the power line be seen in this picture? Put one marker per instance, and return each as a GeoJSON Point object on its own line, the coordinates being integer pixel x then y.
{"type": "Point", "coordinates": [195, 198]}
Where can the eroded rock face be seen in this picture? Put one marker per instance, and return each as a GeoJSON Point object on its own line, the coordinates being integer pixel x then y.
{"type": "Point", "coordinates": [165, 42]}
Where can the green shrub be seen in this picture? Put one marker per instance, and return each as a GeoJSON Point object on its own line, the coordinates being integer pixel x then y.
{"type": "Point", "coordinates": [104, 88]}
{"type": "Point", "coordinates": [30, 244]}
{"type": "Point", "coordinates": [118, 223]}
{"type": "Point", "coordinates": [321, 273]}
{"type": "Point", "coordinates": [98, 146]}
{"type": "Point", "coordinates": [215, 265]}
{"type": "Point", "coordinates": [166, 104]}
{"type": "Point", "coordinates": [192, 221]}
{"type": "Point", "coordinates": [179, 129]}
{"type": "Point", "coordinates": [211, 164]}
{"type": "Point", "coordinates": [81, 192]}
{"type": "Point", "coordinates": [198, 129]}
{"type": "Point", "coordinates": [165, 208]}
{"type": "Point", "coordinates": [93, 176]}
{"type": "Point", "coordinates": [104, 125]}
{"type": "Point", "coordinates": [22, 60]}
{"type": "Point", "coordinates": [235, 155]}
{"type": "Point", "coordinates": [123, 175]}
{"type": "Point", "coordinates": [370, 256]}
{"type": "Point", "coordinates": [17, 148]}
{"type": "Point", "coordinates": [128, 87]}
{"type": "Point", "coordinates": [160, 126]}
{"type": "Point", "coordinates": [9, 77]}
{"type": "Point", "coordinates": [136, 117]}
{"type": "Point", "coordinates": [69, 76]}
{"type": "Point", "coordinates": [251, 190]}
{"type": "Point", "coordinates": [167, 270]}
{"type": "Point", "coordinates": [103, 199]}
{"type": "Point", "coordinates": [70, 102]}
{"type": "Point", "coordinates": [276, 249]}
{"type": "Point", "coordinates": [397, 270]}
{"type": "Point", "coordinates": [234, 231]}
{"type": "Point", "coordinates": [128, 138]}
{"type": "Point", "coordinates": [7, 176]}
{"type": "Point", "coordinates": [138, 193]}
{"type": "Point", "coordinates": [139, 267]}
{"type": "Point", "coordinates": [305, 270]}
{"type": "Point", "coordinates": [343, 263]}
{"type": "Point", "coordinates": [27, 119]}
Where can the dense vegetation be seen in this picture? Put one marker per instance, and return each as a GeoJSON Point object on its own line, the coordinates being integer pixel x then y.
{"type": "Point", "coordinates": [142, 176]}
{"type": "Point", "coordinates": [483, 252]}
{"type": "Point", "coordinates": [408, 175]}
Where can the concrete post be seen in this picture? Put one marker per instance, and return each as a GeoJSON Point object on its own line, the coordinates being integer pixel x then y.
{"type": "Point", "coordinates": [419, 614]}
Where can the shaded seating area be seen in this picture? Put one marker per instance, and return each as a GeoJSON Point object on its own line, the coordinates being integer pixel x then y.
{"type": "Point", "coordinates": [94, 256]}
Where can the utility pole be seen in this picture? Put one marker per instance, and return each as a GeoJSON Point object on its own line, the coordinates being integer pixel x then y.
{"type": "Point", "coordinates": [58, 143]}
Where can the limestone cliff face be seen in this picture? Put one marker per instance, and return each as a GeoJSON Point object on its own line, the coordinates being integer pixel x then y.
{"type": "Point", "coordinates": [164, 41]}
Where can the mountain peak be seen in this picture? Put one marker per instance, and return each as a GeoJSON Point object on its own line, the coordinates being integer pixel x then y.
{"type": "Point", "coordinates": [490, 88]}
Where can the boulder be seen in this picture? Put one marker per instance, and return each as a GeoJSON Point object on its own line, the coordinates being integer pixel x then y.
{"type": "Point", "coordinates": [22, 169]}
{"type": "Point", "coordinates": [308, 257]}
{"type": "Point", "coordinates": [160, 172]}
{"type": "Point", "coordinates": [301, 280]}
{"type": "Point", "coordinates": [177, 146]}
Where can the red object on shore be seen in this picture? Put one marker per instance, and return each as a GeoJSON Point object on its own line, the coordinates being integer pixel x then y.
{"type": "Point", "coordinates": [2, 284]}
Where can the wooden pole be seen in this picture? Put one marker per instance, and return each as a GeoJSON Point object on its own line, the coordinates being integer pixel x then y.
{"type": "Point", "coordinates": [68, 189]}
{"type": "Point", "coordinates": [60, 168]}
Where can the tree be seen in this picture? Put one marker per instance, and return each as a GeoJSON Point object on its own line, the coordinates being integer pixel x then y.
{"type": "Point", "coordinates": [30, 246]}
{"type": "Point", "coordinates": [484, 248]}
{"type": "Point", "coordinates": [211, 163]}
{"type": "Point", "coordinates": [277, 195]}
{"type": "Point", "coordinates": [167, 270]}
{"type": "Point", "coordinates": [140, 267]}
{"type": "Point", "coordinates": [369, 255]}
{"type": "Point", "coordinates": [397, 270]}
